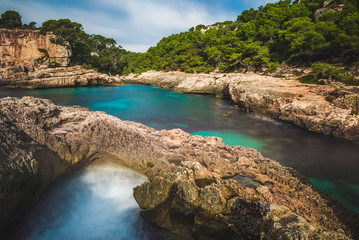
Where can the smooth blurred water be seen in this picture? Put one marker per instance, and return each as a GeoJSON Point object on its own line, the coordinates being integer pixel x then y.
{"type": "Point", "coordinates": [95, 203]}
{"type": "Point", "coordinates": [331, 164]}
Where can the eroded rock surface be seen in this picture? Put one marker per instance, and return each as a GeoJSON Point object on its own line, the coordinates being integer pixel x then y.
{"type": "Point", "coordinates": [21, 48]}
{"type": "Point", "coordinates": [26, 168]}
{"type": "Point", "coordinates": [198, 187]}
{"type": "Point", "coordinates": [55, 77]}
{"type": "Point", "coordinates": [330, 110]}
{"type": "Point", "coordinates": [25, 57]}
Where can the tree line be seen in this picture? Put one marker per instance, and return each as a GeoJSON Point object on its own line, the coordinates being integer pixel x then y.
{"type": "Point", "coordinates": [302, 32]}
{"type": "Point", "coordinates": [298, 33]}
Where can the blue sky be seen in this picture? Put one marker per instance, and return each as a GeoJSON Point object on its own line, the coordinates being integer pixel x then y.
{"type": "Point", "coordinates": [134, 24]}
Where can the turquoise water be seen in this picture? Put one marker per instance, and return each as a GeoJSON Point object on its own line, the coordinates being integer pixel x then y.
{"type": "Point", "coordinates": [230, 138]}
{"type": "Point", "coordinates": [331, 164]}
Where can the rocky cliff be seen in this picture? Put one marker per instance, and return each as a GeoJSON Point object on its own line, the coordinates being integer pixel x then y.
{"type": "Point", "coordinates": [26, 168]}
{"type": "Point", "coordinates": [330, 110]}
{"type": "Point", "coordinates": [198, 187]}
{"type": "Point", "coordinates": [25, 47]}
{"type": "Point", "coordinates": [26, 54]}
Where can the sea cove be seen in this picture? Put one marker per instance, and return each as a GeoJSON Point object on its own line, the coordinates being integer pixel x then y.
{"type": "Point", "coordinates": [174, 120]}
{"type": "Point", "coordinates": [331, 164]}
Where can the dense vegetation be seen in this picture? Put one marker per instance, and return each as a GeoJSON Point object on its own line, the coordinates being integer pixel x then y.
{"type": "Point", "coordinates": [295, 33]}
{"type": "Point", "coordinates": [90, 51]}
{"type": "Point", "coordinates": [303, 32]}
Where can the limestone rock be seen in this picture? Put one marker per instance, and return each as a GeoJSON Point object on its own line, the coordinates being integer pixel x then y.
{"type": "Point", "coordinates": [26, 168]}
{"type": "Point", "coordinates": [289, 100]}
{"type": "Point", "coordinates": [329, 5]}
{"type": "Point", "coordinates": [21, 48]}
{"type": "Point", "coordinates": [55, 77]}
{"type": "Point", "coordinates": [20, 51]}
{"type": "Point", "coordinates": [192, 188]}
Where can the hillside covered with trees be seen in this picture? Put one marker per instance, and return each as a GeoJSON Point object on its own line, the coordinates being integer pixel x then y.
{"type": "Point", "coordinates": [298, 33]}
{"type": "Point", "coordinates": [306, 33]}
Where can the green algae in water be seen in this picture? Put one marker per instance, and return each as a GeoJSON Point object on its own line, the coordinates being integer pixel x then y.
{"type": "Point", "coordinates": [232, 139]}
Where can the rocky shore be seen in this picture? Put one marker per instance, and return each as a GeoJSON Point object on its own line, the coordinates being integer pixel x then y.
{"type": "Point", "coordinates": [330, 110]}
{"type": "Point", "coordinates": [326, 109]}
{"type": "Point", "coordinates": [197, 187]}
{"type": "Point", "coordinates": [45, 77]}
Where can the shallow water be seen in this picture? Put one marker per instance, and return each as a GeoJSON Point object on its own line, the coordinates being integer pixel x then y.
{"type": "Point", "coordinates": [95, 203]}
{"type": "Point", "coordinates": [331, 164]}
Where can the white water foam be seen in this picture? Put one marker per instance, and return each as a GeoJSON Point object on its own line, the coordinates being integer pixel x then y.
{"type": "Point", "coordinates": [96, 203]}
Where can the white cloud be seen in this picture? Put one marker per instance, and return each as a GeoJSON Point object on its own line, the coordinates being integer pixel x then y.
{"type": "Point", "coordinates": [134, 24]}
{"type": "Point", "coordinates": [152, 20]}
{"type": "Point", "coordinates": [256, 3]}
{"type": "Point", "coordinates": [137, 47]}
{"type": "Point", "coordinates": [163, 14]}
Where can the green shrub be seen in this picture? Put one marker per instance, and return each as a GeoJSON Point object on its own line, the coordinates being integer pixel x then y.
{"type": "Point", "coordinates": [222, 67]}
{"type": "Point", "coordinates": [354, 112]}
{"type": "Point", "coordinates": [326, 71]}
{"type": "Point", "coordinates": [200, 69]}
{"type": "Point", "coordinates": [44, 51]}
{"type": "Point", "coordinates": [88, 66]}
{"type": "Point", "coordinates": [309, 78]}
{"type": "Point", "coordinates": [272, 66]}
{"type": "Point", "coordinates": [204, 69]}
{"type": "Point", "coordinates": [188, 70]}
{"type": "Point", "coordinates": [330, 98]}
{"type": "Point", "coordinates": [297, 73]}
{"type": "Point", "coordinates": [209, 69]}
{"type": "Point", "coordinates": [53, 64]}
{"type": "Point", "coordinates": [40, 59]}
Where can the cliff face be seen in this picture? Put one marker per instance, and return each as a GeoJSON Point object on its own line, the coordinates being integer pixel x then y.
{"type": "Point", "coordinates": [26, 168]}
{"type": "Point", "coordinates": [198, 187]}
{"type": "Point", "coordinates": [330, 110]}
{"type": "Point", "coordinates": [20, 65]}
{"type": "Point", "coordinates": [21, 47]}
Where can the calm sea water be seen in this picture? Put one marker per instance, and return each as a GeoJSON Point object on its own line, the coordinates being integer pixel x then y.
{"type": "Point", "coordinates": [331, 164]}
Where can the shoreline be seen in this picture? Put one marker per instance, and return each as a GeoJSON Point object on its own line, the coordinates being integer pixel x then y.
{"type": "Point", "coordinates": [45, 78]}
{"type": "Point", "coordinates": [187, 175]}
{"type": "Point", "coordinates": [322, 109]}
{"type": "Point", "coordinates": [325, 109]}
